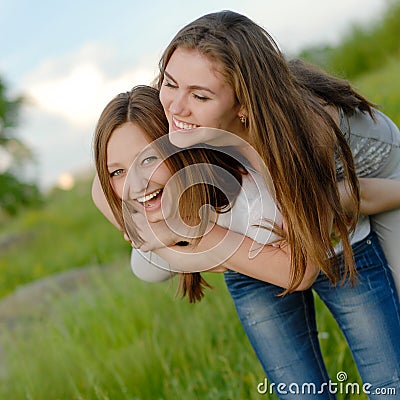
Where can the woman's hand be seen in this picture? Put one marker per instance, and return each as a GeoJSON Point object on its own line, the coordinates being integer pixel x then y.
{"type": "Point", "coordinates": [156, 235]}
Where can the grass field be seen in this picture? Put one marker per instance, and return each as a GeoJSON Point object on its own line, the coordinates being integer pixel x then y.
{"type": "Point", "coordinates": [106, 335]}
{"type": "Point", "coordinates": [113, 337]}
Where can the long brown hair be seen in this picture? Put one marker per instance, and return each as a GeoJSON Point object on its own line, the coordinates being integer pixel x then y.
{"type": "Point", "coordinates": [292, 132]}
{"type": "Point", "coordinates": [142, 107]}
{"type": "Point", "coordinates": [332, 90]}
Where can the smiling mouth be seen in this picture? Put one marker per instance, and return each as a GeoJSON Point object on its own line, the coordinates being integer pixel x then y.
{"type": "Point", "coordinates": [151, 199]}
{"type": "Point", "coordinates": [183, 125]}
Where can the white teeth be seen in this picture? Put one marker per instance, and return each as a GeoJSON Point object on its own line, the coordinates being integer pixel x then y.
{"type": "Point", "coordinates": [184, 125]}
{"type": "Point", "coordinates": [148, 197]}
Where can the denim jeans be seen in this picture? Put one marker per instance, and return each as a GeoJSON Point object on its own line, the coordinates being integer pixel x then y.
{"type": "Point", "coordinates": [283, 331]}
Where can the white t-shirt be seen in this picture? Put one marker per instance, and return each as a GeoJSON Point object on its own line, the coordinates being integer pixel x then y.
{"type": "Point", "coordinates": [251, 214]}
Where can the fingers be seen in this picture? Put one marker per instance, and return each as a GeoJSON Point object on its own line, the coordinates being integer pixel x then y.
{"type": "Point", "coordinates": [127, 238]}
{"type": "Point", "coordinates": [145, 248]}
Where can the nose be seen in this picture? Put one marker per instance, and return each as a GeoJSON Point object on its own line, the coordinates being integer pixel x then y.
{"type": "Point", "coordinates": [178, 104]}
{"type": "Point", "coordinates": [135, 185]}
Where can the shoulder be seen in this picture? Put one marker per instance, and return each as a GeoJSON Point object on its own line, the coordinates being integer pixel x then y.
{"type": "Point", "coordinates": [381, 128]}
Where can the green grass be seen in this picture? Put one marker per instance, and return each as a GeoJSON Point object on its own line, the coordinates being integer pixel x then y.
{"type": "Point", "coordinates": [67, 232]}
{"type": "Point", "coordinates": [118, 338]}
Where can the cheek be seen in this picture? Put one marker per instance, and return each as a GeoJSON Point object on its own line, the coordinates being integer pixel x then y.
{"type": "Point", "coordinates": [161, 175]}
{"type": "Point", "coordinates": [118, 186]}
{"type": "Point", "coordinates": [217, 114]}
{"type": "Point", "coordinates": [164, 98]}
{"type": "Point", "coordinates": [229, 113]}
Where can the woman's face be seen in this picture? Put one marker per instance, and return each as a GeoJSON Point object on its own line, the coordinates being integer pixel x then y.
{"type": "Point", "coordinates": [194, 93]}
{"type": "Point", "coordinates": [129, 144]}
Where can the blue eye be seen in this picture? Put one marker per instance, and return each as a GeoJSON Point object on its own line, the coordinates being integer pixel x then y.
{"type": "Point", "coordinates": [117, 172]}
{"type": "Point", "coordinates": [148, 160]}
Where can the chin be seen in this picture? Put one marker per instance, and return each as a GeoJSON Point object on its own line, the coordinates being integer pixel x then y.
{"type": "Point", "coordinates": [154, 218]}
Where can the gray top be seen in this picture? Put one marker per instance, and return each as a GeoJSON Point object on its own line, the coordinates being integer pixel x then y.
{"type": "Point", "coordinates": [371, 143]}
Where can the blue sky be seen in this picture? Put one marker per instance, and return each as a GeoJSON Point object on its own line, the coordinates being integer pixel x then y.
{"type": "Point", "coordinates": [69, 57]}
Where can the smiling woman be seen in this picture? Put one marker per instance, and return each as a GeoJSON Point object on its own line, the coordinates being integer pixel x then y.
{"type": "Point", "coordinates": [297, 136]}
{"type": "Point", "coordinates": [127, 126]}
{"type": "Point", "coordinates": [205, 101]}
{"type": "Point", "coordinates": [300, 128]}
{"type": "Point", "coordinates": [128, 121]}
{"type": "Point", "coordinates": [125, 146]}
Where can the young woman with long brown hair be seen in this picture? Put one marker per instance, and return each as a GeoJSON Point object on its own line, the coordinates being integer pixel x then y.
{"type": "Point", "coordinates": [130, 132]}
{"type": "Point", "coordinates": [224, 71]}
{"type": "Point", "coordinates": [137, 116]}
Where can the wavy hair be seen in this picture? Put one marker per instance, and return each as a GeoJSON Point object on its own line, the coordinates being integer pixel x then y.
{"type": "Point", "coordinates": [292, 132]}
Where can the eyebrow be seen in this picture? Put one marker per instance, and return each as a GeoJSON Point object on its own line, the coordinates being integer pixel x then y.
{"type": "Point", "coordinates": [114, 165]}
{"type": "Point", "coordinates": [192, 87]}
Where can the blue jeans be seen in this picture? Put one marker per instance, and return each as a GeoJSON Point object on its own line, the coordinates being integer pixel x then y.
{"type": "Point", "coordinates": [283, 331]}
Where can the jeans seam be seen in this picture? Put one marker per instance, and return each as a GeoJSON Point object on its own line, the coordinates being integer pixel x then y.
{"type": "Point", "coordinates": [306, 310]}
{"type": "Point", "coordinates": [393, 292]}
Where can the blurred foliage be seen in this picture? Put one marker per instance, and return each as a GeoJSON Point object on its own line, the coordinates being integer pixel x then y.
{"type": "Point", "coordinates": [9, 109]}
{"type": "Point", "coordinates": [15, 192]}
{"type": "Point", "coordinates": [67, 231]}
{"type": "Point", "coordinates": [382, 87]}
{"type": "Point", "coordinates": [363, 49]}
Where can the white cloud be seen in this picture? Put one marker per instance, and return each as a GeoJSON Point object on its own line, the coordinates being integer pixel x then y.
{"type": "Point", "coordinates": [66, 96]}
{"type": "Point", "coordinates": [311, 22]}
{"type": "Point", "coordinates": [78, 87]}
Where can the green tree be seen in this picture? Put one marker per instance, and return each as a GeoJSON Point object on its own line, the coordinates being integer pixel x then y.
{"type": "Point", "coordinates": [364, 48]}
{"type": "Point", "coordinates": [15, 191]}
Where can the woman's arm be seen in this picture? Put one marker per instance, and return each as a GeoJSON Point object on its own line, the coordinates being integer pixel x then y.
{"type": "Point", "coordinates": [376, 195]}
{"type": "Point", "coordinates": [220, 249]}
{"type": "Point", "coordinates": [224, 248]}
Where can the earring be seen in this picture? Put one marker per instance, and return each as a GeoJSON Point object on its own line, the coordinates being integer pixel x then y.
{"type": "Point", "coordinates": [243, 119]}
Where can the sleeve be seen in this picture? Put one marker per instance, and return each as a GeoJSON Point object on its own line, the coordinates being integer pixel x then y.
{"type": "Point", "coordinates": [254, 212]}
{"type": "Point", "coordinates": [149, 267]}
